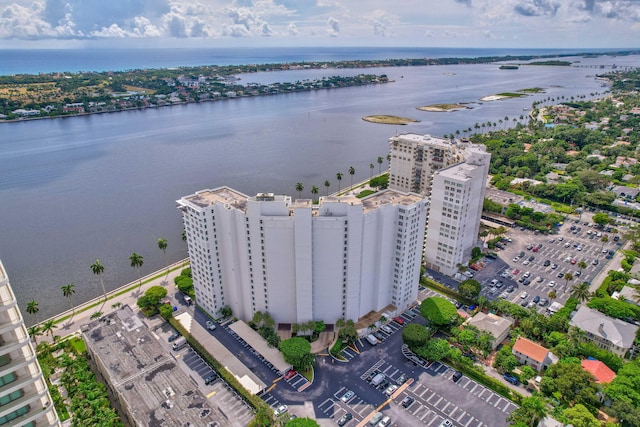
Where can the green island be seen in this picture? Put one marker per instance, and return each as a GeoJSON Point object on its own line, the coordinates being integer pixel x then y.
{"type": "Point", "coordinates": [503, 95]}
{"type": "Point", "coordinates": [532, 90]}
{"type": "Point", "coordinates": [48, 95]}
{"type": "Point", "coordinates": [555, 63]}
{"type": "Point", "coordinates": [443, 107]}
{"type": "Point", "coordinates": [509, 67]}
{"type": "Point", "coordinates": [388, 120]}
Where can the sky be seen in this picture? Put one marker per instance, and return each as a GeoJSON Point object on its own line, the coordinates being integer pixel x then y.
{"type": "Point", "coordinates": [219, 23]}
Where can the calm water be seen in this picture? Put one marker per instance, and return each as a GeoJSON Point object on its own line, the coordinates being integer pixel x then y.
{"type": "Point", "coordinates": [103, 186]}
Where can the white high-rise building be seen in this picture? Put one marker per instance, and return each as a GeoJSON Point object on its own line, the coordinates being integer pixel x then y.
{"type": "Point", "coordinates": [457, 197]}
{"type": "Point", "coordinates": [415, 158]}
{"type": "Point", "coordinates": [299, 261]}
{"type": "Point", "coordinates": [24, 396]}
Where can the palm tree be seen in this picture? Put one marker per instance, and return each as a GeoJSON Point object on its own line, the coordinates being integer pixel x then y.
{"type": "Point", "coordinates": [327, 184]}
{"type": "Point", "coordinates": [371, 168]}
{"type": "Point", "coordinates": [580, 292]}
{"type": "Point", "coordinates": [314, 191]}
{"type": "Point", "coordinates": [380, 160]}
{"type": "Point", "coordinates": [32, 308]}
{"type": "Point", "coordinates": [136, 262]}
{"type": "Point", "coordinates": [34, 331]}
{"type": "Point", "coordinates": [48, 327]}
{"type": "Point", "coordinates": [552, 295]}
{"type": "Point", "coordinates": [98, 269]}
{"type": "Point", "coordinates": [162, 245]}
{"type": "Point", "coordinates": [582, 265]}
{"type": "Point", "coordinates": [299, 188]}
{"type": "Point", "coordinates": [352, 172]}
{"type": "Point", "coordinates": [68, 291]}
{"type": "Point", "coordinates": [567, 277]}
{"type": "Point", "coordinates": [604, 240]}
{"type": "Point", "coordinates": [536, 407]}
{"type": "Point", "coordinates": [339, 178]}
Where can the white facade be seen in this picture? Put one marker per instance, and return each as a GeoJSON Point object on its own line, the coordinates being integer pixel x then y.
{"type": "Point", "coordinates": [457, 197]}
{"type": "Point", "coordinates": [24, 397]}
{"type": "Point", "coordinates": [415, 159]}
{"type": "Point", "coordinates": [342, 258]}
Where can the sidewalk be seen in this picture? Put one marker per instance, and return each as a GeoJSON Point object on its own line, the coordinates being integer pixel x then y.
{"type": "Point", "coordinates": [127, 294]}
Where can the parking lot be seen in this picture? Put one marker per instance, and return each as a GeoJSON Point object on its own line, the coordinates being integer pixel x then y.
{"type": "Point", "coordinates": [535, 264]}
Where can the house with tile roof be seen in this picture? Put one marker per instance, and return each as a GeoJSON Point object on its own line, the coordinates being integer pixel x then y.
{"type": "Point", "coordinates": [615, 335]}
{"type": "Point", "coordinates": [497, 326]}
{"type": "Point", "coordinates": [601, 372]}
{"type": "Point", "coordinates": [532, 354]}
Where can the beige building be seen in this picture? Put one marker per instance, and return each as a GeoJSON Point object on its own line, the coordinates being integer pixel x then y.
{"type": "Point", "coordinates": [606, 332]}
{"type": "Point", "coordinates": [497, 326]}
{"type": "Point", "coordinates": [24, 396]}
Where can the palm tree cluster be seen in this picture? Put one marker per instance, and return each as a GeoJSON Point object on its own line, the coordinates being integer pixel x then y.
{"type": "Point", "coordinates": [299, 187]}
{"type": "Point", "coordinates": [33, 308]}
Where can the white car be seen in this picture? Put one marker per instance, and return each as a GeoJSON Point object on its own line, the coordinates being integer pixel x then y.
{"type": "Point", "coordinates": [348, 395]}
{"type": "Point", "coordinates": [387, 329]}
{"type": "Point", "coordinates": [526, 262]}
{"type": "Point", "coordinates": [524, 295]}
{"type": "Point", "coordinates": [211, 326]}
{"type": "Point", "coordinates": [281, 409]}
{"type": "Point", "coordinates": [391, 389]}
{"type": "Point", "coordinates": [516, 259]}
{"type": "Point", "coordinates": [552, 284]}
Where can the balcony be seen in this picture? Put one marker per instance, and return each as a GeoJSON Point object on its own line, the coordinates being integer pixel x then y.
{"type": "Point", "coordinates": [14, 365]}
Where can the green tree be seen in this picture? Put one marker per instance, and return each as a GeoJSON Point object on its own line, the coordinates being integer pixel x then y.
{"type": "Point", "coordinates": [434, 349]}
{"type": "Point", "coordinates": [470, 289]}
{"type": "Point", "coordinates": [567, 277]}
{"type": "Point", "coordinates": [136, 262]}
{"type": "Point", "coordinates": [415, 335]}
{"type": "Point", "coordinates": [302, 422]}
{"type": "Point", "coordinates": [582, 265]}
{"type": "Point", "coordinates": [601, 218]}
{"type": "Point", "coordinates": [380, 160]}
{"type": "Point", "coordinates": [569, 383]}
{"type": "Point", "coordinates": [531, 410]}
{"type": "Point", "coordinates": [34, 332]}
{"type": "Point", "coordinates": [352, 171]}
{"type": "Point", "coordinates": [48, 327]}
{"type": "Point", "coordinates": [348, 332]}
{"type": "Point", "coordinates": [604, 239]}
{"type": "Point", "coordinates": [580, 291]}
{"type": "Point", "coordinates": [299, 188]}
{"type": "Point", "coordinates": [526, 373]}
{"type": "Point", "coordinates": [339, 178]}
{"type": "Point", "coordinates": [297, 352]}
{"type": "Point", "coordinates": [263, 418]}
{"type": "Point", "coordinates": [314, 191]}
{"type": "Point", "coordinates": [579, 416]}
{"type": "Point", "coordinates": [226, 311]}
{"type": "Point", "coordinates": [68, 291]}
{"type": "Point", "coordinates": [438, 311]}
{"type": "Point", "coordinates": [371, 168]}
{"type": "Point", "coordinates": [505, 361]}
{"type": "Point", "coordinates": [33, 308]}
{"type": "Point", "coordinates": [162, 245]}
{"type": "Point", "coordinates": [98, 269]}
{"type": "Point", "coordinates": [624, 386]}
{"type": "Point", "coordinates": [476, 252]}
{"type": "Point", "coordinates": [327, 184]}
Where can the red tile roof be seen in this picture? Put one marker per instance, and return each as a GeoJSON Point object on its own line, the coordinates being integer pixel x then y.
{"type": "Point", "coordinates": [530, 349]}
{"type": "Point", "coordinates": [599, 370]}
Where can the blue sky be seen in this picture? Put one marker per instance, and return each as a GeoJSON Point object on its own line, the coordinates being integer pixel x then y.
{"type": "Point", "coordinates": [213, 23]}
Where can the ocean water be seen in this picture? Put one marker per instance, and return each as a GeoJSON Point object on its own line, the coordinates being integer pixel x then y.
{"type": "Point", "coordinates": [34, 61]}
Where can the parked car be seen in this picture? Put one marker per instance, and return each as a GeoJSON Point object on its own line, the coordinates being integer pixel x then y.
{"type": "Point", "coordinates": [211, 378]}
{"type": "Point", "coordinates": [524, 295]}
{"type": "Point", "coordinates": [281, 409]}
{"type": "Point", "coordinates": [391, 389]}
{"type": "Point", "coordinates": [348, 395]}
{"type": "Point", "coordinates": [511, 288]}
{"type": "Point", "coordinates": [399, 320]}
{"type": "Point", "coordinates": [407, 401]}
{"type": "Point", "coordinates": [511, 379]}
{"type": "Point", "coordinates": [345, 419]}
{"type": "Point", "coordinates": [290, 374]}
{"type": "Point", "coordinates": [211, 326]}
{"type": "Point", "coordinates": [384, 422]}
{"type": "Point", "coordinates": [387, 329]}
{"type": "Point", "coordinates": [456, 376]}
{"type": "Point", "coordinates": [402, 379]}
{"type": "Point", "coordinates": [552, 283]}
{"type": "Point", "coordinates": [174, 336]}
{"type": "Point", "coordinates": [536, 299]}
{"type": "Point", "coordinates": [376, 419]}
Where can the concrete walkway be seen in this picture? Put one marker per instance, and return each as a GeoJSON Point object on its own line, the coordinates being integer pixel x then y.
{"type": "Point", "coordinates": [127, 294]}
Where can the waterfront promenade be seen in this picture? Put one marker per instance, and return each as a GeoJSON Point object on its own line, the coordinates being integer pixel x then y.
{"type": "Point", "coordinates": [68, 324]}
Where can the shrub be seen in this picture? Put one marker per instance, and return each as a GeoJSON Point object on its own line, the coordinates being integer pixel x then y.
{"type": "Point", "coordinates": [438, 311]}
{"type": "Point", "coordinates": [415, 335]}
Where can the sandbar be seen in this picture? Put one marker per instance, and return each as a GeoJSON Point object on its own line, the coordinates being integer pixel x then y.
{"type": "Point", "coordinates": [389, 120]}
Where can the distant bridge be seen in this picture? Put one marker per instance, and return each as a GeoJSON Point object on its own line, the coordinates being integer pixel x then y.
{"type": "Point", "coordinates": [607, 67]}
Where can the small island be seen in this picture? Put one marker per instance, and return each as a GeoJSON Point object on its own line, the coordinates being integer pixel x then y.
{"type": "Point", "coordinates": [503, 95]}
{"type": "Point", "coordinates": [532, 90]}
{"type": "Point", "coordinates": [388, 120]}
{"type": "Point", "coordinates": [509, 67]}
{"type": "Point", "coordinates": [443, 107]}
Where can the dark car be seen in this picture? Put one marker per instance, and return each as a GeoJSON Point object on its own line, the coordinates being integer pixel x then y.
{"type": "Point", "coordinates": [531, 258]}
{"type": "Point", "coordinates": [211, 378]}
{"type": "Point", "coordinates": [547, 263]}
{"type": "Point", "coordinates": [521, 255]}
{"type": "Point", "coordinates": [407, 401]}
{"type": "Point", "coordinates": [379, 336]}
{"type": "Point", "coordinates": [402, 379]}
{"type": "Point", "coordinates": [511, 288]}
{"type": "Point", "coordinates": [524, 303]}
{"type": "Point", "coordinates": [511, 379]}
{"type": "Point", "coordinates": [174, 336]}
{"type": "Point", "coordinates": [536, 299]}
{"type": "Point", "coordinates": [345, 419]}
{"type": "Point", "coordinates": [529, 247]}
{"type": "Point", "coordinates": [456, 376]}
{"type": "Point", "coordinates": [526, 282]}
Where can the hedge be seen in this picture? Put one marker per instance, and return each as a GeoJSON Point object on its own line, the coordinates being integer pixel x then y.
{"type": "Point", "coordinates": [439, 287]}
{"type": "Point", "coordinates": [488, 381]}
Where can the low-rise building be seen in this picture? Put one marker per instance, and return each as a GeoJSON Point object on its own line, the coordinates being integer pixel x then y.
{"type": "Point", "coordinates": [601, 372]}
{"type": "Point", "coordinates": [532, 354]}
{"type": "Point", "coordinates": [497, 326]}
{"type": "Point", "coordinates": [606, 332]}
{"type": "Point", "coordinates": [145, 379]}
